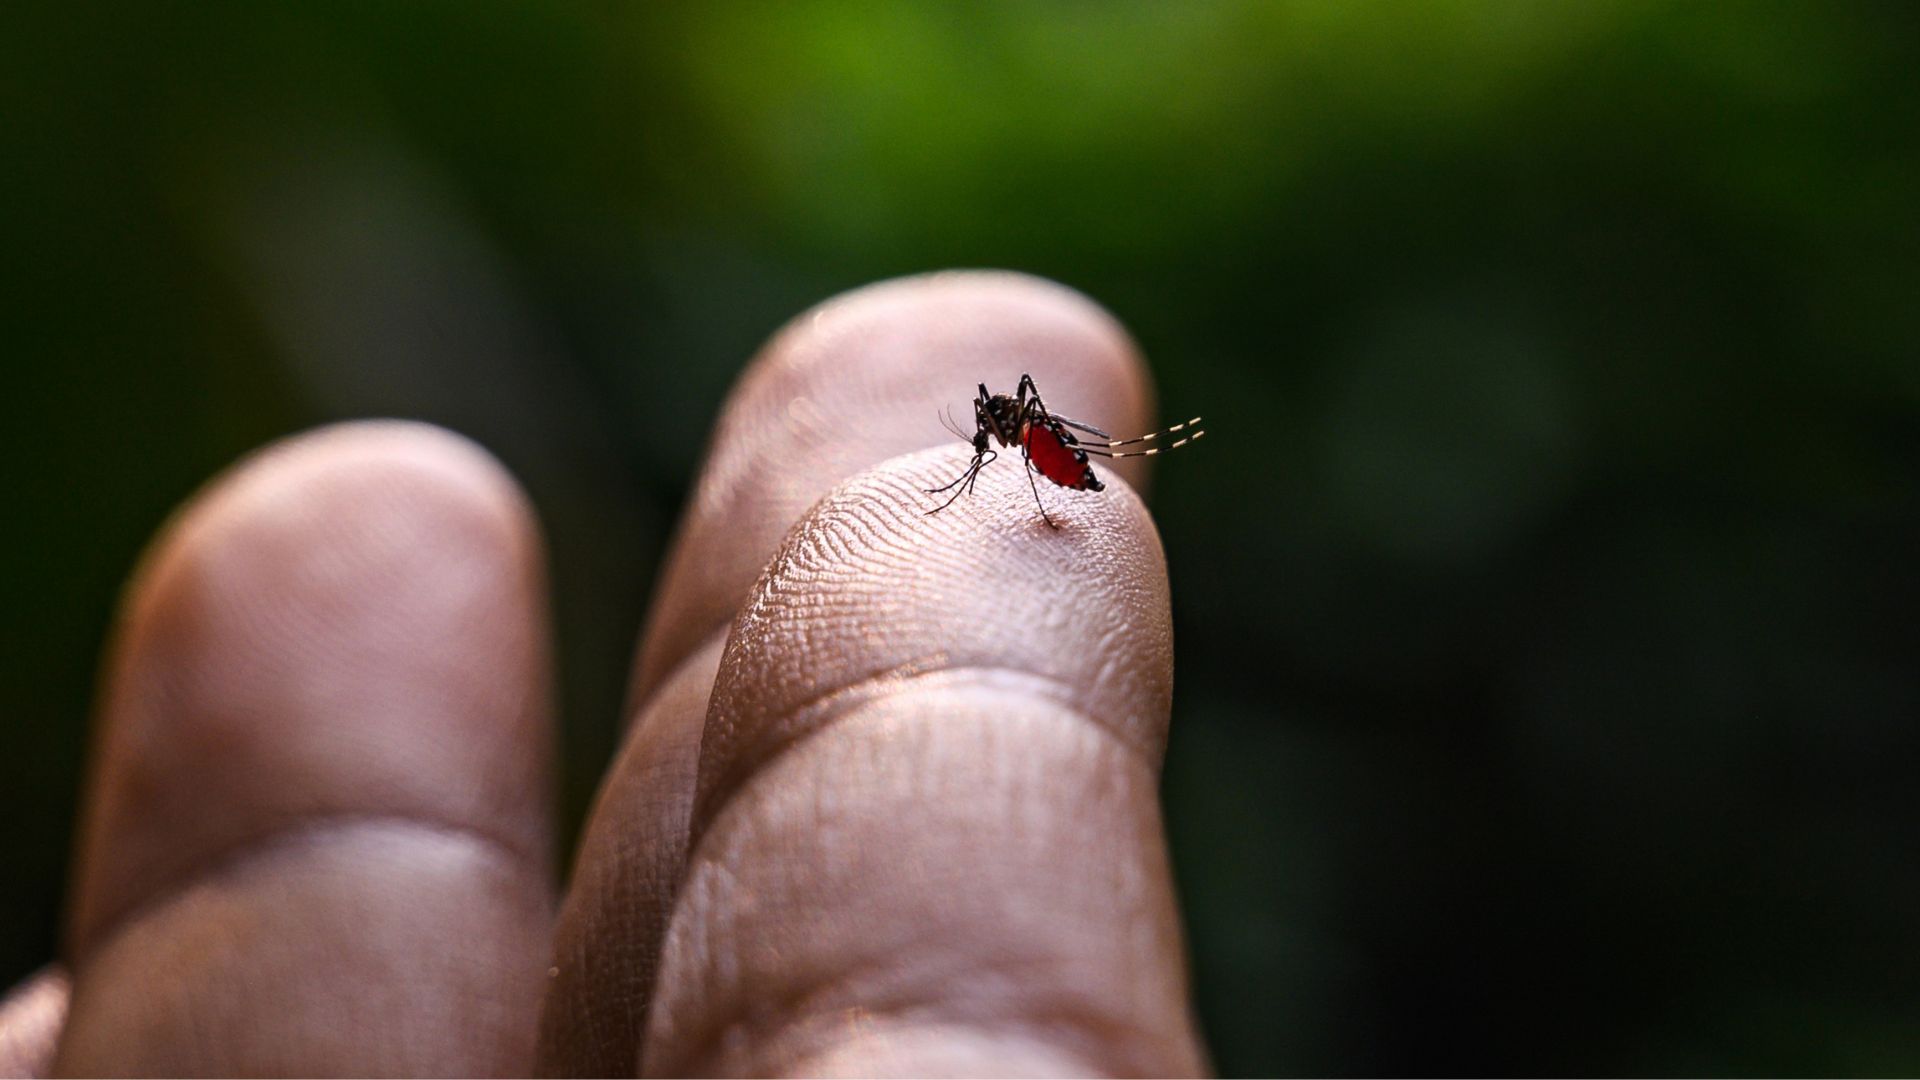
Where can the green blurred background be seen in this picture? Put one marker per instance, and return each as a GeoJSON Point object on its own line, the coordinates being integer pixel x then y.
{"type": "Point", "coordinates": [1546, 591]}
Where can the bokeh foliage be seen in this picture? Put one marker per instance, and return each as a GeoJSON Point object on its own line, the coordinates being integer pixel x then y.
{"type": "Point", "coordinates": [1545, 593]}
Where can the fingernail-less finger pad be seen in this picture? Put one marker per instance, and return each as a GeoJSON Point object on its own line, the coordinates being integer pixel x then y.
{"type": "Point", "coordinates": [868, 590]}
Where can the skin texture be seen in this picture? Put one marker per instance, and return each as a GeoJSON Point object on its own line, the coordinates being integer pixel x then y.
{"type": "Point", "coordinates": [886, 805]}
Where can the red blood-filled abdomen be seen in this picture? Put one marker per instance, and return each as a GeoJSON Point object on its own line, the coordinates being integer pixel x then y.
{"type": "Point", "coordinates": [1057, 460]}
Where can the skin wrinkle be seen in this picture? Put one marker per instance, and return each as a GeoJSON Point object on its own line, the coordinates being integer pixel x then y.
{"type": "Point", "coordinates": [362, 896]}
{"type": "Point", "coordinates": [796, 894]}
{"type": "Point", "coordinates": [810, 718]}
{"type": "Point", "coordinates": [271, 840]}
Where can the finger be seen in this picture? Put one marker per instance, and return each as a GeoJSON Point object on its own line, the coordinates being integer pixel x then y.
{"type": "Point", "coordinates": [858, 380]}
{"type": "Point", "coordinates": [31, 1016]}
{"type": "Point", "coordinates": [926, 836]}
{"type": "Point", "coordinates": [317, 836]}
{"type": "Point", "coordinates": [607, 940]}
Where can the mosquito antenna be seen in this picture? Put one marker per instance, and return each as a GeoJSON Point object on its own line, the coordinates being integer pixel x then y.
{"type": "Point", "coordinates": [947, 421]}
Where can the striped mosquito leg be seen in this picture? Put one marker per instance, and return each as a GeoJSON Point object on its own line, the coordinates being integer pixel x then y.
{"type": "Point", "coordinates": [1147, 453]}
{"type": "Point", "coordinates": [1181, 426]}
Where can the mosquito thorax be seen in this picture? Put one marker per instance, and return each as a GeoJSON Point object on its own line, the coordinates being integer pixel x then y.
{"type": "Point", "coordinates": [1005, 410]}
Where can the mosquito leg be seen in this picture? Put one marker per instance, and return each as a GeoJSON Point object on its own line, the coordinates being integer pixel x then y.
{"type": "Point", "coordinates": [1030, 470]}
{"type": "Point", "coordinates": [965, 482]}
{"type": "Point", "coordinates": [971, 472]}
{"type": "Point", "coordinates": [1041, 505]}
{"type": "Point", "coordinates": [1143, 453]}
{"type": "Point", "coordinates": [948, 503]}
{"type": "Point", "coordinates": [1030, 404]}
{"type": "Point", "coordinates": [972, 468]}
{"type": "Point", "coordinates": [977, 467]}
{"type": "Point", "coordinates": [1152, 435]}
{"type": "Point", "coordinates": [1030, 394]}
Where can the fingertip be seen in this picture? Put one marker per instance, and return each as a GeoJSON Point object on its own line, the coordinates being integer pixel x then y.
{"type": "Point", "coordinates": [1017, 309]}
{"type": "Point", "coordinates": [857, 380]}
{"type": "Point", "coordinates": [349, 621]}
{"type": "Point", "coordinates": [401, 473]}
{"type": "Point", "coordinates": [869, 592]}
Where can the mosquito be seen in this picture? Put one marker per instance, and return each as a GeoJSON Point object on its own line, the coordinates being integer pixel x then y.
{"type": "Point", "coordinates": [1047, 443]}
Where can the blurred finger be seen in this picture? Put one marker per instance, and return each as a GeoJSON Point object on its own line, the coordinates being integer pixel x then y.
{"type": "Point", "coordinates": [844, 387]}
{"type": "Point", "coordinates": [317, 835]}
{"type": "Point", "coordinates": [926, 836]}
{"type": "Point", "coordinates": [31, 1016]}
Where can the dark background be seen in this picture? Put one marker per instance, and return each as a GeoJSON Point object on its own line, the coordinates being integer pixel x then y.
{"type": "Point", "coordinates": [1546, 589]}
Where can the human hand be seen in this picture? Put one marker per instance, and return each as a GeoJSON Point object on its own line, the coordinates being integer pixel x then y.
{"type": "Point", "coordinates": [887, 801]}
